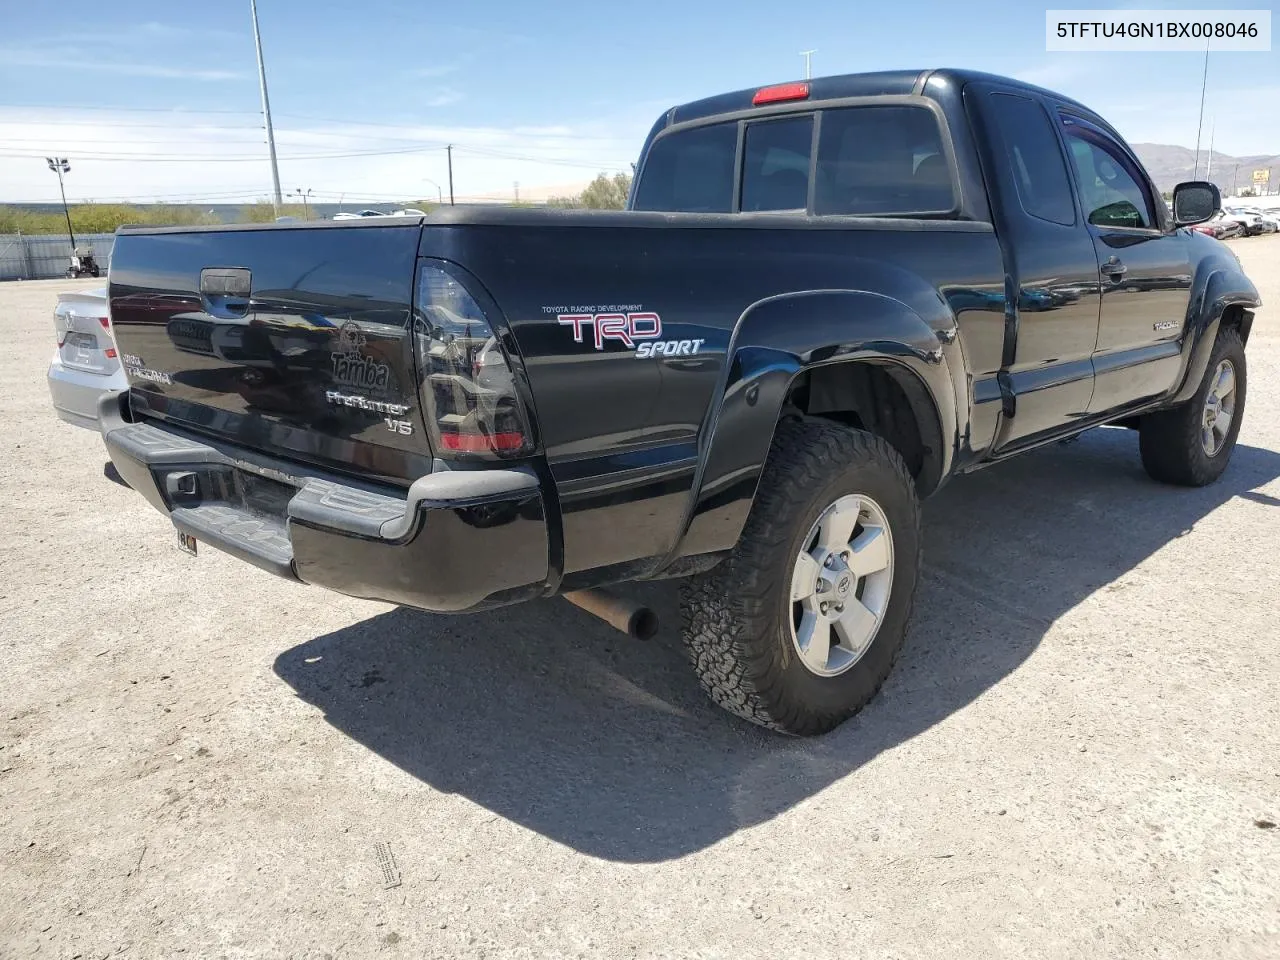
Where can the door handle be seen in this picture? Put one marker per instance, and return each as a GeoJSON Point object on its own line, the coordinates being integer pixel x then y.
{"type": "Point", "coordinates": [1113, 268]}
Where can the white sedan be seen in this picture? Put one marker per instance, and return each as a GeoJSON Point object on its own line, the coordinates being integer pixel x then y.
{"type": "Point", "coordinates": [86, 364]}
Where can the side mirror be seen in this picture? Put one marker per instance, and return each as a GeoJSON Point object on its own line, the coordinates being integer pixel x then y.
{"type": "Point", "coordinates": [1195, 202]}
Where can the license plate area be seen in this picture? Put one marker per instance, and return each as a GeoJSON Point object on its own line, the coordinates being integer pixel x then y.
{"type": "Point", "coordinates": [81, 350]}
{"type": "Point", "coordinates": [187, 543]}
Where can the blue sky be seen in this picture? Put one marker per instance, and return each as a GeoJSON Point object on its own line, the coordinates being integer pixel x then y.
{"type": "Point", "coordinates": [544, 94]}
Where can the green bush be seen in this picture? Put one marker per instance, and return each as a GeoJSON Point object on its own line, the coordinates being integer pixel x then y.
{"type": "Point", "coordinates": [100, 218]}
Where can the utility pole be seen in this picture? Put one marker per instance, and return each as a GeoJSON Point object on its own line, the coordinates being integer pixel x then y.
{"type": "Point", "coordinates": [449, 150]}
{"type": "Point", "coordinates": [1204, 84]}
{"type": "Point", "coordinates": [1208, 172]}
{"type": "Point", "coordinates": [61, 165]}
{"type": "Point", "coordinates": [517, 186]}
{"type": "Point", "coordinates": [808, 67]}
{"type": "Point", "coordinates": [266, 110]}
{"type": "Point", "coordinates": [306, 207]}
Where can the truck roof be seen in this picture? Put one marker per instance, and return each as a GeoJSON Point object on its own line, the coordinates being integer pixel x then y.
{"type": "Point", "coordinates": [881, 83]}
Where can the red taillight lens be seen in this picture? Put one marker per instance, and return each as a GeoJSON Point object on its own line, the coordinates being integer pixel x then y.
{"type": "Point", "coordinates": [476, 443]}
{"type": "Point", "coordinates": [111, 353]}
{"type": "Point", "coordinates": [469, 396]}
{"type": "Point", "coordinates": [781, 93]}
{"type": "Point", "coordinates": [106, 323]}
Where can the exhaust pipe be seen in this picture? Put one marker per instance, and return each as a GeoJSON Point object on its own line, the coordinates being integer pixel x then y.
{"type": "Point", "coordinates": [629, 616]}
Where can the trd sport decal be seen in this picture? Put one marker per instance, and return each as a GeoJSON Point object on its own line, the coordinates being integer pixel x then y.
{"type": "Point", "coordinates": [636, 329]}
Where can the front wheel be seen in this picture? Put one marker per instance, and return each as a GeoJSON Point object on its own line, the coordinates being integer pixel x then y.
{"type": "Point", "coordinates": [797, 629]}
{"type": "Point", "coordinates": [1190, 445]}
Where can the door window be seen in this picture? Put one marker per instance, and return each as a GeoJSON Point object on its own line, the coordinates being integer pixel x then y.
{"type": "Point", "coordinates": [1111, 190]}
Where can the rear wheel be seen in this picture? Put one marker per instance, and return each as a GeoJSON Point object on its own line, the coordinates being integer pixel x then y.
{"type": "Point", "coordinates": [1190, 445]}
{"type": "Point", "coordinates": [797, 629]}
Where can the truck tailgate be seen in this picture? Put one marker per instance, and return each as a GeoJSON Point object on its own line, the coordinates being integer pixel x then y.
{"type": "Point", "coordinates": [295, 340]}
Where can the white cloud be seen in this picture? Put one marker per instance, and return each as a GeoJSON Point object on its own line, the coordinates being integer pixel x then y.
{"type": "Point", "coordinates": [136, 50]}
{"type": "Point", "coordinates": [439, 70]}
{"type": "Point", "coordinates": [69, 61]}
{"type": "Point", "coordinates": [443, 97]}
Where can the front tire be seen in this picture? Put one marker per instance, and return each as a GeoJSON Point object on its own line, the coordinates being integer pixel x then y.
{"type": "Point", "coordinates": [1190, 445]}
{"type": "Point", "coordinates": [798, 628]}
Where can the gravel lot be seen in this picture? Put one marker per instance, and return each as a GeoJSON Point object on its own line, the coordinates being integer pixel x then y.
{"type": "Point", "coordinates": [1079, 753]}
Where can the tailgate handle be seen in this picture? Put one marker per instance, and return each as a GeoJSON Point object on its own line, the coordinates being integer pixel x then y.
{"type": "Point", "coordinates": [225, 290]}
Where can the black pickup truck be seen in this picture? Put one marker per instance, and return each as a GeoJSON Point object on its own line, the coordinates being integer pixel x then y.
{"type": "Point", "coordinates": [825, 299]}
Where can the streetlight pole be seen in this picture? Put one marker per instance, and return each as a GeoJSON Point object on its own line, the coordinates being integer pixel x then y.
{"type": "Point", "coordinates": [449, 151]}
{"type": "Point", "coordinates": [266, 108]}
{"type": "Point", "coordinates": [439, 192]}
{"type": "Point", "coordinates": [808, 67]}
{"type": "Point", "coordinates": [61, 165]}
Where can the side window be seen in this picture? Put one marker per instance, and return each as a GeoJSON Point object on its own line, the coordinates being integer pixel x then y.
{"type": "Point", "coordinates": [1034, 157]}
{"type": "Point", "coordinates": [690, 171]}
{"type": "Point", "coordinates": [882, 161]}
{"type": "Point", "coordinates": [1111, 192]}
{"type": "Point", "coordinates": [775, 169]}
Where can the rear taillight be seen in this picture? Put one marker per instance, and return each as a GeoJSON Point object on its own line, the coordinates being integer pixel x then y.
{"type": "Point", "coordinates": [469, 397]}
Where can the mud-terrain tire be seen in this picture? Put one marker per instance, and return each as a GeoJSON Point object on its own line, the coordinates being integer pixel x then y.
{"type": "Point", "coordinates": [744, 631]}
{"type": "Point", "coordinates": [1189, 445]}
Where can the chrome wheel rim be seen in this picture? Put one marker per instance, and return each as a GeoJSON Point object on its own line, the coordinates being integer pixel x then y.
{"type": "Point", "coordinates": [1219, 409]}
{"type": "Point", "coordinates": [840, 585]}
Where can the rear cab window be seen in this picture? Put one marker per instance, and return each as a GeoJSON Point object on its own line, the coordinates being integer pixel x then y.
{"type": "Point", "coordinates": [691, 171]}
{"type": "Point", "coordinates": [776, 161]}
{"type": "Point", "coordinates": [873, 160]}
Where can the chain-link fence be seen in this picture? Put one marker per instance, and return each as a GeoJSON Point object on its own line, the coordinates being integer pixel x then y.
{"type": "Point", "coordinates": [45, 256]}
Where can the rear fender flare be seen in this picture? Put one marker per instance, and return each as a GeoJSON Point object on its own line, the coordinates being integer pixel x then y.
{"type": "Point", "coordinates": [773, 342]}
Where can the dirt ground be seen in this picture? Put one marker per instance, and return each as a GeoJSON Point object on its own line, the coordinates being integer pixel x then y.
{"type": "Point", "coordinates": [1078, 755]}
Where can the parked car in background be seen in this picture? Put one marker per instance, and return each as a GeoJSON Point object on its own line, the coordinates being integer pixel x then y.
{"type": "Point", "coordinates": [1252, 223]}
{"type": "Point", "coordinates": [1220, 227]}
{"type": "Point", "coordinates": [357, 216]}
{"type": "Point", "coordinates": [85, 364]}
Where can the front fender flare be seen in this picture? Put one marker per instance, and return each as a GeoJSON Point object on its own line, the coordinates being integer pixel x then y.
{"type": "Point", "coordinates": [1224, 285]}
{"type": "Point", "coordinates": [773, 342]}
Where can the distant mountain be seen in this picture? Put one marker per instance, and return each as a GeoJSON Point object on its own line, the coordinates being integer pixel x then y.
{"type": "Point", "coordinates": [1170, 165]}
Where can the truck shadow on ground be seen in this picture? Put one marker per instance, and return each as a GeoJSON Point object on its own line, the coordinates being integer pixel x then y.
{"type": "Point", "coordinates": [607, 745]}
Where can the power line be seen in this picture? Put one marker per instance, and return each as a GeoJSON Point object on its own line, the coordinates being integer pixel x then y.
{"type": "Point", "coordinates": [219, 158]}
{"type": "Point", "coordinates": [147, 158]}
{"type": "Point", "coordinates": [389, 125]}
{"type": "Point", "coordinates": [100, 106]}
{"type": "Point", "coordinates": [127, 125]}
{"type": "Point", "coordinates": [171, 141]}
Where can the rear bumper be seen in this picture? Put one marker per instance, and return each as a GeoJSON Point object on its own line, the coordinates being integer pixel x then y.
{"type": "Point", "coordinates": [455, 541]}
{"type": "Point", "coordinates": [76, 393]}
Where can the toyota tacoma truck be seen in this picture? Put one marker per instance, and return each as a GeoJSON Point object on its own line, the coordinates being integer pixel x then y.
{"type": "Point", "coordinates": [825, 299]}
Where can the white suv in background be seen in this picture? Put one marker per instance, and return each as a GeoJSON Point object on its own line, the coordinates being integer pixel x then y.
{"type": "Point", "coordinates": [86, 363]}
